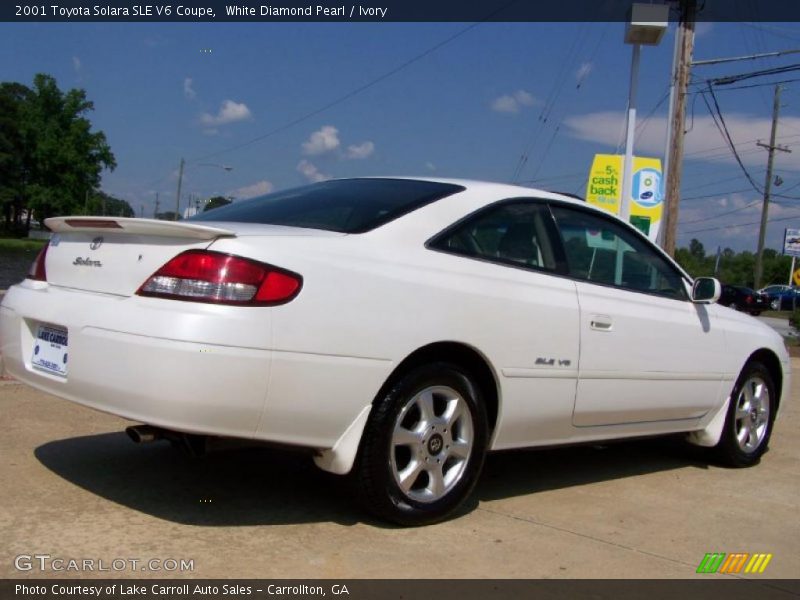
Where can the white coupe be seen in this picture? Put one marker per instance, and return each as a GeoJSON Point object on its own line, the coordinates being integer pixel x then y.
{"type": "Point", "coordinates": [399, 328]}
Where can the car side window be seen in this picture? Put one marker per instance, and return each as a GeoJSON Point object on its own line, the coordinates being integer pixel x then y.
{"type": "Point", "coordinates": [512, 233]}
{"type": "Point", "coordinates": [601, 251]}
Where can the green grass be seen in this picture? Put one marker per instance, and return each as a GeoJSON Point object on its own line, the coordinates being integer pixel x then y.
{"type": "Point", "coordinates": [17, 244]}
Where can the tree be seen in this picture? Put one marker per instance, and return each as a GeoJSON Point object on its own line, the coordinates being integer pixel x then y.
{"type": "Point", "coordinates": [100, 203]}
{"type": "Point", "coordinates": [735, 268]}
{"type": "Point", "coordinates": [216, 202]}
{"type": "Point", "coordinates": [694, 259]}
{"type": "Point", "coordinates": [696, 249]}
{"type": "Point", "coordinates": [61, 158]}
{"type": "Point", "coordinates": [14, 157]}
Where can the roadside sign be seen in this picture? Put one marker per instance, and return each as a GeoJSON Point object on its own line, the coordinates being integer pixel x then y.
{"type": "Point", "coordinates": [796, 277]}
{"type": "Point", "coordinates": [604, 190]}
{"type": "Point", "coordinates": [791, 242]}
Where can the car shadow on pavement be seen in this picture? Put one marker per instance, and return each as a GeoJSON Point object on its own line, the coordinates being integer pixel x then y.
{"type": "Point", "coordinates": [245, 486]}
{"type": "Point", "coordinates": [268, 486]}
{"type": "Point", "coordinates": [521, 472]}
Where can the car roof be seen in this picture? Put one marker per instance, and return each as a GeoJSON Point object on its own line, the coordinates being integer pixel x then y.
{"type": "Point", "coordinates": [497, 187]}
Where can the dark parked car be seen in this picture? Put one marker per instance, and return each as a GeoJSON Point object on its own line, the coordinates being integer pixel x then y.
{"type": "Point", "coordinates": [781, 297]}
{"type": "Point", "coordinates": [744, 299]}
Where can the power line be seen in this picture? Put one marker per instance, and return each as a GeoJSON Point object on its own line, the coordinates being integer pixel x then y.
{"type": "Point", "coordinates": [547, 108]}
{"type": "Point", "coordinates": [716, 194]}
{"type": "Point", "coordinates": [696, 152]}
{"type": "Point", "coordinates": [642, 125]}
{"type": "Point", "coordinates": [717, 61]}
{"type": "Point", "coordinates": [723, 129]}
{"type": "Point", "coordinates": [744, 87]}
{"type": "Point", "coordinates": [710, 183]}
{"type": "Point", "coordinates": [723, 214]}
{"type": "Point", "coordinates": [358, 90]}
{"type": "Point", "coordinates": [742, 76]}
{"type": "Point", "coordinates": [772, 30]}
{"type": "Point", "coordinates": [797, 216]}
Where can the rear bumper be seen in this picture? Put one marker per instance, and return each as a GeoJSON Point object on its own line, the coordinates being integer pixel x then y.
{"type": "Point", "coordinates": [167, 368]}
{"type": "Point", "coordinates": [186, 366]}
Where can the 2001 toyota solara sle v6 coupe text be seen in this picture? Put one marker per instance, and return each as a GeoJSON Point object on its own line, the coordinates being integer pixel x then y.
{"type": "Point", "coordinates": [398, 328]}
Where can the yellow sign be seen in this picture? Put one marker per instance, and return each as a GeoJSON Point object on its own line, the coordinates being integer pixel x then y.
{"type": "Point", "coordinates": [604, 190]}
{"type": "Point", "coordinates": [796, 277]}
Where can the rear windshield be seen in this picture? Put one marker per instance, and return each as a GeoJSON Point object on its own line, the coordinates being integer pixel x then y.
{"type": "Point", "coordinates": [347, 205]}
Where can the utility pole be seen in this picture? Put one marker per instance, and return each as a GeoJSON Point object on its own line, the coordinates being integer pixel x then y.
{"type": "Point", "coordinates": [155, 212]}
{"type": "Point", "coordinates": [178, 195]}
{"type": "Point", "coordinates": [678, 124]}
{"type": "Point", "coordinates": [776, 105]}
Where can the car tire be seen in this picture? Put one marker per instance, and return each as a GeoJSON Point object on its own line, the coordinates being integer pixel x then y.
{"type": "Point", "coordinates": [755, 313]}
{"type": "Point", "coordinates": [775, 304]}
{"type": "Point", "coordinates": [751, 413]}
{"type": "Point", "coordinates": [423, 447]}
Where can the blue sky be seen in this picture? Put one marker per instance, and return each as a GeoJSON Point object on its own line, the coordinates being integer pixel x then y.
{"type": "Point", "coordinates": [467, 108]}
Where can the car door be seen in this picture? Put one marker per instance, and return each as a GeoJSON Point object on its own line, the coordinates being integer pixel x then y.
{"type": "Point", "coordinates": [529, 326]}
{"type": "Point", "coordinates": [647, 352]}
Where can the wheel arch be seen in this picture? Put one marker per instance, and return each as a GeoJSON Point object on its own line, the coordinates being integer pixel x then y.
{"type": "Point", "coordinates": [341, 457]}
{"type": "Point", "coordinates": [710, 435]}
{"type": "Point", "coordinates": [773, 364]}
{"type": "Point", "coordinates": [460, 354]}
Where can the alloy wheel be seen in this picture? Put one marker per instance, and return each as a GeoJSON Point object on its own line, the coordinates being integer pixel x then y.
{"type": "Point", "coordinates": [431, 443]}
{"type": "Point", "coordinates": [751, 417]}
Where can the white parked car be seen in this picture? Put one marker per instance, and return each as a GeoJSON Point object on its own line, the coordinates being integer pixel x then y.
{"type": "Point", "coordinates": [400, 328]}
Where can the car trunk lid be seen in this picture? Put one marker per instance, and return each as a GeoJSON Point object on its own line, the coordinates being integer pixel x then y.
{"type": "Point", "coordinates": [117, 255]}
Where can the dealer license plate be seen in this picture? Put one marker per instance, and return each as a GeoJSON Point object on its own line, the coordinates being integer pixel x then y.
{"type": "Point", "coordinates": [50, 350]}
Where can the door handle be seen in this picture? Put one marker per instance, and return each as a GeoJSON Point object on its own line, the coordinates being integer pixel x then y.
{"type": "Point", "coordinates": [600, 323]}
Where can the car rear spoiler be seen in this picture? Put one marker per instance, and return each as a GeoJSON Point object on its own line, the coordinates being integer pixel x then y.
{"type": "Point", "coordinates": [175, 229]}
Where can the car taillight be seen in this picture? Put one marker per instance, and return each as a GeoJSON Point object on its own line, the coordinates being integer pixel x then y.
{"type": "Point", "coordinates": [205, 276]}
{"type": "Point", "coordinates": [37, 271]}
{"type": "Point", "coordinates": [749, 299]}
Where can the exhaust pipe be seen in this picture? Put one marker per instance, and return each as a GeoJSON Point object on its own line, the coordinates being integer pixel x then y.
{"type": "Point", "coordinates": [143, 434]}
{"type": "Point", "coordinates": [193, 445]}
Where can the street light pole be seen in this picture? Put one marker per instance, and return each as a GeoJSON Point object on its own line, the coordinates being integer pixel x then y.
{"type": "Point", "coordinates": [646, 25]}
{"type": "Point", "coordinates": [627, 169]}
{"type": "Point", "coordinates": [178, 195]}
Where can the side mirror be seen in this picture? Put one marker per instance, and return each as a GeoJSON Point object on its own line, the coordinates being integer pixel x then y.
{"type": "Point", "coordinates": [706, 290]}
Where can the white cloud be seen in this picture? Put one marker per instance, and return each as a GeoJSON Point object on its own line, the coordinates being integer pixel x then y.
{"type": "Point", "coordinates": [430, 166]}
{"type": "Point", "coordinates": [250, 191]}
{"type": "Point", "coordinates": [583, 72]}
{"type": "Point", "coordinates": [702, 142]}
{"type": "Point", "coordinates": [188, 90]}
{"type": "Point", "coordinates": [310, 171]}
{"type": "Point", "coordinates": [76, 64]}
{"type": "Point", "coordinates": [322, 141]}
{"type": "Point", "coordinates": [360, 151]}
{"type": "Point", "coordinates": [513, 103]}
{"type": "Point", "coordinates": [229, 112]}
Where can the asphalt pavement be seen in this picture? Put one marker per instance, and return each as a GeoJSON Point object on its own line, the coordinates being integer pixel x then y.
{"type": "Point", "coordinates": [73, 486]}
